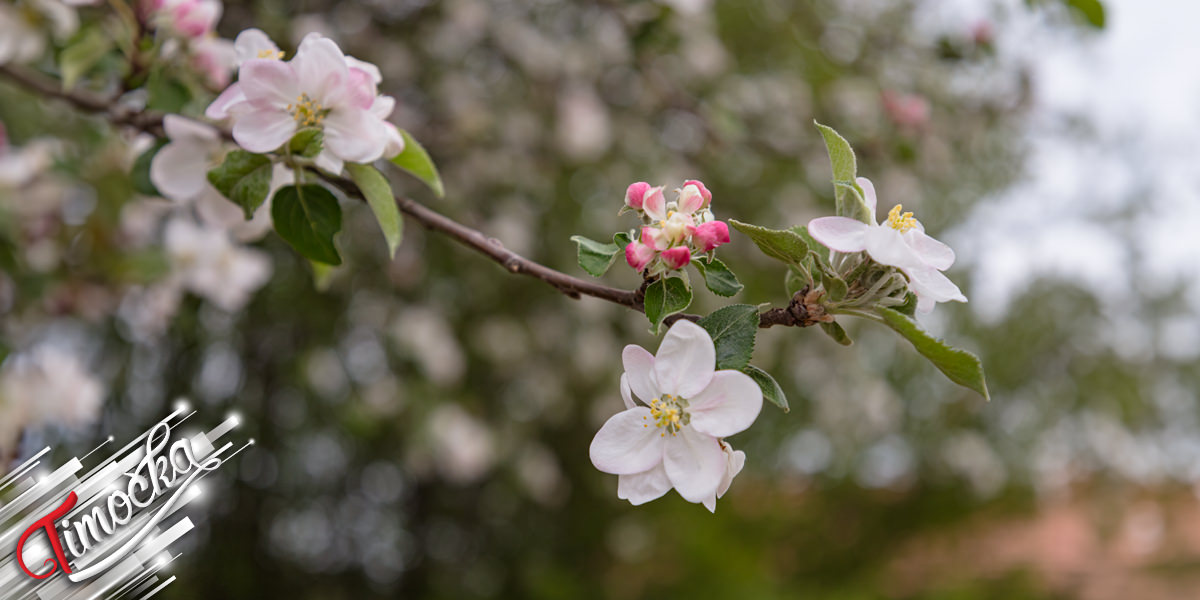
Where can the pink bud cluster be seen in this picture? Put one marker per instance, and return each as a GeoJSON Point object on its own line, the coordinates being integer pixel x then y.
{"type": "Point", "coordinates": [672, 231]}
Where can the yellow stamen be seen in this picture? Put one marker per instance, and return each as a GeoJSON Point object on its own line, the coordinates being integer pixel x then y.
{"type": "Point", "coordinates": [271, 54]}
{"type": "Point", "coordinates": [900, 222]}
{"type": "Point", "coordinates": [307, 111]}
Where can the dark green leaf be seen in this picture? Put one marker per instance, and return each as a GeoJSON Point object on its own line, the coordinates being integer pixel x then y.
{"type": "Point", "coordinates": [84, 52]}
{"type": "Point", "coordinates": [836, 332]}
{"type": "Point", "coordinates": [960, 366]}
{"type": "Point", "coordinates": [732, 329]}
{"type": "Point", "coordinates": [244, 178]}
{"type": "Point", "coordinates": [416, 161]}
{"type": "Point", "coordinates": [595, 257]}
{"type": "Point", "coordinates": [910, 305]}
{"type": "Point", "coordinates": [718, 278]}
{"type": "Point", "coordinates": [375, 188]}
{"type": "Point", "coordinates": [782, 244]}
{"type": "Point", "coordinates": [141, 171]}
{"type": "Point", "coordinates": [165, 93]}
{"type": "Point", "coordinates": [664, 298]}
{"type": "Point", "coordinates": [1090, 11]}
{"type": "Point", "coordinates": [308, 216]}
{"type": "Point", "coordinates": [770, 388]}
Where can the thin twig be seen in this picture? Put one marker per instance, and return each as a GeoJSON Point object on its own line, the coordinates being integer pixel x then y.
{"type": "Point", "coordinates": [795, 314]}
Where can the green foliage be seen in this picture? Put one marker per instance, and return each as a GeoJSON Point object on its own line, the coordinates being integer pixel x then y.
{"type": "Point", "coordinates": [165, 93]}
{"type": "Point", "coordinates": [770, 388]}
{"type": "Point", "coordinates": [845, 170]}
{"type": "Point", "coordinates": [781, 244]}
{"type": "Point", "coordinates": [83, 53]}
{"type": "Point", "coordinates": [666, 297]}
{"type": "Point", "coordinates": [962, 367]}
{"type": "Point", "coordinates": [307, 217]}
{"type": "Point", "coordinates": [732, 329]}
{"type": "Point", "coordinates": [1090, 12]}
{"type": "Point", "coordinates": [306, 143]}
{"type": "Point", "coordinates": [835, 331]}
{"type": "Point", "coordinates": [244, 178]}
{"type": "Point", "coordinates": [717, 277]}
{"type": "Point", "coordinates": [141, 171]}
{"type": "Point", "coordinates": [596, 257]}
{"type": "Point", "coordinates": [416, 161]}
{"type": "Point", "coordinates": [375, 188]}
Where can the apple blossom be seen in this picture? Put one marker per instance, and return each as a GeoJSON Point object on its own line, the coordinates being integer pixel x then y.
{"type": "Point", "coordinates": [672, 439]}
{"type": "Point", "coordinates": [189, 18]}
{"type": "Point", "coordinates": [639, 255]}
{"type": "Point", "coordinates": [710, 235]}
{"type": "Point", "coordinates": [677, 257]}
{"type": "Point", "coordinates": [900, 242]}
{"type": "Point", "coordinates": [23, 30]}
{"type": "Point", "coordinates": [50, 385]}
{"type": "Point", "coordinates": [209, 264]}
{"type": "Point", "coordinates": [179, 169]}
{"type": "Point", "coordinates": [673, 230]}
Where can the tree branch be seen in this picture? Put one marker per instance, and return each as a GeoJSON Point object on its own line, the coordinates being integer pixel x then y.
{"type": "Point", "coordinates": [798, 313]}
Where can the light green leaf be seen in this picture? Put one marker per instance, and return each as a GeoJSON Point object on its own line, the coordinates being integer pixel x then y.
{"type": "Point", "coordinates": [322, 275]}
{"type": "Point", "coordinates": [834, 286]}
{"type": "Point", "coordinates": [1090, 11]}
{"type": "Point", "coordinates": [375, 188]}
{"type": "Point", "coordinates": [308, 216]}
{"type": "Point", "coordinates": [595, 257]}
{"type": "Point", "coordinates": [960, 366]}
{"type": "Point", "coordinates": [845, 170]}
{"type": "Point", "coordinates": [770, 388]}
{"type": "Point", "coordinates": [306, 143]}
{"type": "Point", "coordinates": [732, 329]}
{"type": "Point", "coordinates": [165, 93]}
{"type": "Point", "coordinates": [141, 171]}
{"type": "Point", "coordinates": [782, 244]}
{"type": "Point", "coordinates": [836, 332]}
{"type": "Point", "coordinates": [665, 297]}
{"type": "Point", "coordinates": [244, 178]}
{"type": "Point", "coordinates": [416, 161]}
{"type": "Point", "coordinates": [718, 278]}
{"type": "Point", "coordinates": [83, 54]}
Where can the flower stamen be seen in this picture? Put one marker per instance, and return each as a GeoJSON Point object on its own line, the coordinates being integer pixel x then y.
{"type": "Point", "coordinates": [900, 222]}
{"type": "Point", "coordinates": [270, 54]}
{"type": "Point", "coordinates": [306, 111]}
{"type": "Point", "coordinates": [669, 413]}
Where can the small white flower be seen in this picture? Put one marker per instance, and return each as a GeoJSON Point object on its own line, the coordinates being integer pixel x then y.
{"type": "Point", "coordinates": [900, 242]}
{"type": "Point", "coordinates": [209, 264]}
{"type": "Point", "coordinates": [23, 28]}
{"type": "Point", "coordinates": [672, 439]}
{"type": "Point", "coordinates": [48, 385]}
{"type": "Point", "coordinates": [180, 169]}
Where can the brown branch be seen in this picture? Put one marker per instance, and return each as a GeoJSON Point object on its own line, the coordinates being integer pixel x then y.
{"type": "Point", "coordinates": [799, 313]}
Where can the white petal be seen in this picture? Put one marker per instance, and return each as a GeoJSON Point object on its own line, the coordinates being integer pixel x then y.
{"type": "Point", "coordinates": [868, 189]}
{"type": "Point", "coordinates": [326, 160]}
{"type": "Point", "coordinates": [639, 367]}
{"type": "Point", "coordinates": [250, 43]}
{"type": "Point", "coordinates": [839, 233]}
{"type": "Point", "coordinates": [625, 393]}
{"type": "Point", "coordinates": [729, 404]}
{"type": "Point", "coordinates": [264, 130]}
{"type": "Point", "coordinates": [395, 141]}
{"type": "Point", "coordinates": [685, 361]}
{"type": "Point", "coordinates": [930, 283]}
{"type": "Point", "coordinates": [181, 129]}
{"type": "Point", "coordinates": [643, 487]}
{"type": "Point", "coordinates": [886, 246]}
{"type": "Point", "coordinates": [369, 68]}
{"type": "Point", "coordinates": [735, 460]}
{"type": "Point", "coordinates": [354, 135]}
{"type": "Point", "coordinates": [178, 170]}
{"type": "Point", "coordinates": [227, 103]}
{"type": "Point", "coordinates": [934, 253]}
{"type": "Point", "coordinates": [383, 106]}
{"type": "Point", "coordinates": [321, 69]}
{"type": "Point", "coordinates": [269, 83]}
{"type": "Point", "coordinates": [628, 443]}
{"type": "Point", "coordinates": [694, 462]}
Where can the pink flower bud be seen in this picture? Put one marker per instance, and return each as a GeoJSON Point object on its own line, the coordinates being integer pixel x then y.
{"type": "Point", "coordinates": [655, 238]}
{"type": "Point", "coordinates": [638, 255]}
{"type": "Point", "coordinates": [655, 204]}
{"type": "Point", "coordinates": [677, 257]}
{"type": "Point", "coordinates": [704, 193]}
{"type": "Point", "coordinates": [710, 235]}
{"type": "Point", "coordinates": [636, 194]}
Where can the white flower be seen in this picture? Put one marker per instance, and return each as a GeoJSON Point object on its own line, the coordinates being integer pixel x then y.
{"type": "Point", "coordinates": [900, 242]}
{"type": "Point", "coordinates": [209, 264]}
{"type": "Point", "coordinates": [23, 28]}
{"type": "Point", "coordinates": [672, 439]}
{"type": "Point", "coordinates": [18, 167]}
{"type": "Point", "coordinates": [48, 385]}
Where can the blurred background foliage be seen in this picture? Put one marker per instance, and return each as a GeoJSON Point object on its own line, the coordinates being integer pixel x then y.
{"type": "Point", "coordinates": [423, 423]}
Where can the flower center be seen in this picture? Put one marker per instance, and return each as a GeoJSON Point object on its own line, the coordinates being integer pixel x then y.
{"type": "Point", "coordinates": [669, 413]}
{"type": "Point", "coordinates": [306, 111]}
{"type": "Point", "coordinates": [271, 54]}
{"type": "Point", "coordinates": [900, 222]}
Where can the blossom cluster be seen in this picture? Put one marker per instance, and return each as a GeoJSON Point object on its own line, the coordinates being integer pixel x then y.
{"type": "Point", "coordinates": [900, 241]}
{"type": "Point", "coordinates": [672, 232]}
{"type": "Point", "coordinates": [46, 385]}
{"type": "Point", "coordinates": [319, 89]}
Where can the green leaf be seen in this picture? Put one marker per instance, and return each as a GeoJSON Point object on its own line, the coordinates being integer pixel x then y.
{"type": "Point", "coordinates": [308, 216]}
{"type": "Point", "coordinates": [845, 170]}
{"type": "Point", "coordinates": [307, 142]}
{"type": "Point", "coordinates": [244, 178]}
{"type": "Point", "coordinates": [794, 281]}
{"type": "Point", "coordinates": [782, 244]}
{"type": "Point", "coordinates": [416, 161]}
{"type": "Point", "coordinates": [960, 366]}
{"type": "Point", "coordinates": [166, 94]}
{"type": "Point", "coordinates": [141, 171]}
{"type": "Point", "coordinates": [834, 286]}
{"type": "Point", "coordinates": [813, 244]}
{"type": "Point", "coordinates": [595, 257]}
{"type": "Point", "coordinates": [1090, 11]}
{"type": "Point", "coordinates": [322, 275]}
{"type": "Point", "coordinates": [83, 54]}
{"type": "Point", "coordinates": [718, 278]}
{"type": "Point", "coordinates": [910, 305]}
{"type": "Point", "coordinates": [732, 329]}
{"type": "Point", "coordinates": [375, 188]}
{"type": "Point", "coordinates": [836, 332]}
{"type": "Point", "coordinates": [770, 388]}
{"type": "Point", "coordinates": [666, 297]}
